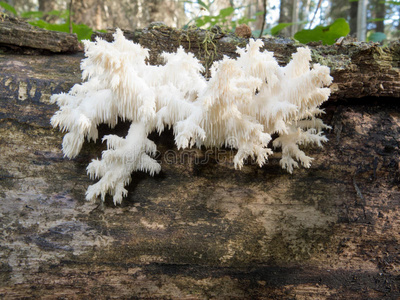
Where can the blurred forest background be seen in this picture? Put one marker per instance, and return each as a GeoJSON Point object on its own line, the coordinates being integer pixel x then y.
{"type": "Point", "coordinates": [375, 20]}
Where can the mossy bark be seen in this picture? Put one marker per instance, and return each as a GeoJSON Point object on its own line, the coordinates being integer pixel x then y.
{"type": "Point", "coordinates": [201, 229]}
{"type": "Point", "coordinates": [359, 69]}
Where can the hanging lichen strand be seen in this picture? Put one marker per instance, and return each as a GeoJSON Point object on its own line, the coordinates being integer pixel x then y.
{"type": "Point", "coordinates": [245, 101]}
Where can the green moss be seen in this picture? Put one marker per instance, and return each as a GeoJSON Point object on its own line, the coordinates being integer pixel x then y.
{"type": "Point", "coordinates": [332, 60]}
{"type": "Point", "coordinates": [157, 25]}
{"type": "Point", "coordinates": [7, 180]}
{"type": "Point", "coordinates": [209, 49]}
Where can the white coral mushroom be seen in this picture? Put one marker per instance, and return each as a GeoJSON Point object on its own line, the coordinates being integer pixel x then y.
{"type": "Point", "coordinates": [243, 103]}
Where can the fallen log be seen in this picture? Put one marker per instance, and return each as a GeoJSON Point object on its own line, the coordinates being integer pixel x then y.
{"type": "Point", "coordinates": [18, 35]}
{"type": "Point", "coordinates": [201, 229]}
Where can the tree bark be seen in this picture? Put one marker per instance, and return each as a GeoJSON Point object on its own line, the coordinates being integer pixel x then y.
{"type": "Point", "coordinates": [359, 69]}
{"type": "Point", "coordinates": [201, 229]}
{"type": "Point", "coordinates": [20, 36]}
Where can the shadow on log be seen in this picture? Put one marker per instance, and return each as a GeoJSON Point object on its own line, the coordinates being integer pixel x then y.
{"type": "Point", "coordinates": [201, 229]}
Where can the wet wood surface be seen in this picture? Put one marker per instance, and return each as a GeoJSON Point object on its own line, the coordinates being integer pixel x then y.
{"type": "Point", "coordinates": [200, 229]}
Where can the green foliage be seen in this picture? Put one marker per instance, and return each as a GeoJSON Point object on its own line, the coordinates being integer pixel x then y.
{"type": "Point", "coordinates": [327, 34]}
{"type": "Point", "coordinates": [392, 2]}
{"type": "Point", "coordinates": [37, 18]}
{"type": "Point", "coordinates": [257, 32]}
{"type": "Point", "coordinates": [203, 5]}
{"type": "Point", "coordinates": [224, 19]}
{"type": "Point", "coordinates": [376, 37]}
{"type": "Point", "coordinates": [276, 29]}
{"type": "Point", "coordinates": [8, 7]}
{"type": "Point", "coordinates": [83, 31]}
{"type": "Point", "coordinates": [32, 15]}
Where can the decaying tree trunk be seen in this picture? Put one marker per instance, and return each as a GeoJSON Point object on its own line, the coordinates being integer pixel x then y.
{"type": "Point", "coordinates": [19, 35]}
{"type": "Point", "coordinates": [359, 69]}
{"type": "Point", "coordinates": [201, 229]}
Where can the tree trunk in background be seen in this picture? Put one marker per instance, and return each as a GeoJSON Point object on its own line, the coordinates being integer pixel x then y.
{"type": "Point", "coordinates": [362, 20]}
{"type": "Point", "coordinates": [91, 13]}
{"type": "Point", "coordinates": [24, 5]}
{"type": "Point", "coordinates": [218, 5]}
{"type": "Point", "coordinates": [340, 9]}
{"type": "Point", "coordinates": [396, 33]}
{"type": "Point", "coordinates": [295, 17]}
{"type": "Point", "coordinates": [48, 5]}
{"type": "Point", "coordinates": [379, 12]}
{"type": "Point", "coordinates": [171, 12]}
{"type": "Point", "coordinates": [353, 18]}
{"type": "Point", "coordinates": [285, 15]}
{"type": "Point", "coordinates": [126, 14]}
{"type": "Point", "coordinates": [304, 13]}
{"type": "Point", "coordinates": [253, 8]}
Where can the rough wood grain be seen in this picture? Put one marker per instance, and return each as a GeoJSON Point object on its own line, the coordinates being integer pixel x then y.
{"type": "Point", "coordinates": [20, 36]}
{"type": "Point", "coordinates": [200, 229]}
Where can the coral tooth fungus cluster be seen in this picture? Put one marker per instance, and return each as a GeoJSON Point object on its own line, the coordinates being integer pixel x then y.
{"type": "Point", "coordinates": [241, 105]}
